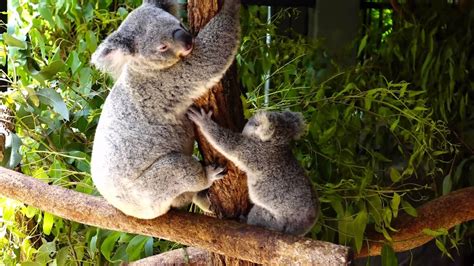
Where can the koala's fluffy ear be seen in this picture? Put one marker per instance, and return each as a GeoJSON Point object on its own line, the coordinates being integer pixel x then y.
{"type": "Point", "coordinates": [170, 6]}
{"type": "Point", "coordinates": [113, 53]}
{"type": "Point", "coordinates": [295, 120]}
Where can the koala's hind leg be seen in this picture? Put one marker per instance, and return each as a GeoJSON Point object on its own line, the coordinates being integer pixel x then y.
{"type": "Point", "coordinates": [261, 217]}
{"type": "Point", "coordinates": [183, 200]}
{"type": "Point", "coordinates": [167, 182]}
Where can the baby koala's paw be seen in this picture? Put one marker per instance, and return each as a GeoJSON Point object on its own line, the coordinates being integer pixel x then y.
{"type": "Point", "coordinates": [215, 172]}
{"type": "Point", "coordinates": [199, 117]}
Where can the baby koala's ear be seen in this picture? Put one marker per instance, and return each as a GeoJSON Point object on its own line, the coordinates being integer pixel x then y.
{"type": "Point", "coordinates": [113, 53]}
{"type": "Point", "coordinates": [295, 121]}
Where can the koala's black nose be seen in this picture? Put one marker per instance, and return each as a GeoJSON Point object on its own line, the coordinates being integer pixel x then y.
{"type": "Point", "coordinates": [184, 38]}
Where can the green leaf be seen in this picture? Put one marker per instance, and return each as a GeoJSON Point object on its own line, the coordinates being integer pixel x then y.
{"type": "Point", "coordinates": [32, 95]}
{"type": "Point", "coordinates": [435, 233]}
{"type": "Point", "coordinates": [13, 42]}
{"type": "Point", "coordinates": [74, 62]}
{"type": "Point", "coordinates": [135, 247]}
{"type": "Point", "coordinates": [408, 208]}
{"type": "Point", "coordinates": [395, 203]}
{"type": "Point", "coordinates": [360, 222]}
{"type": "Point", "coordinates": [62, 256]}
{"type": "Point", "coordinates": [447, 184]}
{"type": "Point", "coordinates": [93, 245]}
{"type": "Point", "coordinates": [395, 175]}
{"type": "Point", "coordinates": [52, 98]}
{"type": "Point", "coordinates": [49, 71]}
{"type": "Point", "coordinates": [11, 155]}
{"type": "Point", "coordinates": [48, 222]}
{"type": "Point", "coordinates": [362, 45]}
{"type": "Point", "coordinates": [45, 12]}
{"type": "Point", "coordinates": [30, 211]}
{"type": "Point", "coordinates": [394, 125]}
{"type": "Point", "coordinates": [388, 256]}
{"type": "Point", "coordinates": [149, 247]}
{"type": "Point", "coordinates": [329, 133]}
{"type": "Point", "coordinates": [120, 254]}
{"type": "Point", "coordinates": [108, 245]}
{"type": "Point", "coordinates": [443, 248]}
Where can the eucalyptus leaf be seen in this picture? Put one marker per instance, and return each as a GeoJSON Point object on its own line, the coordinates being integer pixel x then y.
{"type": "Point", "coordinates": [388, 256]}
{"type": "Point", "coordinates": [52, 98]}
{"type": "Point", "coordinates": [13, 42]}
{"type": "Point", "coordinates": [11, 155]}
{"type": "Point", "coordinates": [48, 222]}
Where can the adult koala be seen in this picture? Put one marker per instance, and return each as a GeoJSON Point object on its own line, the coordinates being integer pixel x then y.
{"type": "Point", "coordinates": [142, 155]}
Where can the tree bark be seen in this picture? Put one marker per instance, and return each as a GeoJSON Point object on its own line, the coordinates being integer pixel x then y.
{"type": "Point", "coordinates": [229, 196]}
{"type": "Point", "coordinates": [224, 237]}
{"type": "Point", "coordinates": [443, 212]}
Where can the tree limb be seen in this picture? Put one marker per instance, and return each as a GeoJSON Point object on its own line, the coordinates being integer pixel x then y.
{"type": "Point", "coordinates": [225, 237]}
{"type": "Point", "coordinates": [184, 256]}
{"type": "Point", "coordinates": [443, 212]}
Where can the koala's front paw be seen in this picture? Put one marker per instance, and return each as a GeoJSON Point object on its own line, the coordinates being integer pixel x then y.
{"type": "Point", "coordinates": [199, 117]}
{"type": "Point", "coordinates": [215, 172]}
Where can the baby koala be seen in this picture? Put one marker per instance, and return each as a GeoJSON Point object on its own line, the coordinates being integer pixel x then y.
{"type": "Point", "coordinates": [283, 196]}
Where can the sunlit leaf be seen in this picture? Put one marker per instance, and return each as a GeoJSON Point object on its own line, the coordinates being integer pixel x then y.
{"type": "Point", "coordinates": [395, 203]}
{"type": "Point", "coordinates": [13, 42]}
{"type": "Point", "coordinates": [108, 245]}
{"type": "Point", "coordinates": [48, 222]}
{"type": "Point", "coordinates": [52, 98]}
{"type": "Point", "coordinates": [395, 175]}
{"type": "Point", "coordinates": [408, 208]}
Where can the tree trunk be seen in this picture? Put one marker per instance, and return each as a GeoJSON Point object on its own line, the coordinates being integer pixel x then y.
{"type": "Point", "coordinates": [229, 196]}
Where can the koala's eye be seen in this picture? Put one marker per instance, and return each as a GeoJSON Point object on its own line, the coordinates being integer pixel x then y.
{"type": "Point", "coordinates": [162, 48]}
{"type": "Point", "coordinates": [253, 123]}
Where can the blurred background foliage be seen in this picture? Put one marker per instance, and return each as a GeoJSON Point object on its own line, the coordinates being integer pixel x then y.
{"type": "Point", "coordinates": [385, 134]}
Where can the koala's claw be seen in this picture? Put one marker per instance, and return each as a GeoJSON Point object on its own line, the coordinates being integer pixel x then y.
{"type": "Point", "coordinates": [215, 172]}
{"type": "Point", "coordinates": [198, 116]}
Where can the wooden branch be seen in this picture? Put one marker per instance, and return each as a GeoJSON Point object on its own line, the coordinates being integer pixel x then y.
{"type": "Point", "coordinates": [183, 256]}
{"type": "Point", "coordinates": [443, 212]}
{"type": "Point", "coordinates": [228, 196]}
{"type": "Point", "coordinates": [225, 237]}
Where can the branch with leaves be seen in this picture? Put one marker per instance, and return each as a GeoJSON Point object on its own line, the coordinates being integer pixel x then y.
{"type": "Point", "coordinates": [225, 237]}
{"type": "Point", "coordinates": [229, 237]}
{"type": "Point", "coordinates": [442, 213]}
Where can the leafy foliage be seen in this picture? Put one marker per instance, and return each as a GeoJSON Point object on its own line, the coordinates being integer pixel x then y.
{"type": "Point", "coordinates": [57, 98]}
{"type": "Point", "coordinates": [383, 135]}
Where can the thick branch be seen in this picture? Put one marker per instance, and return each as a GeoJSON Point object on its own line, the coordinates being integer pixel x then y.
{"type": "Point", "coordinates": [183, 256]}
{"type": "Point", "coordinates": [443, 212]}
{"type": "Point", "coordinates": [220, 236]}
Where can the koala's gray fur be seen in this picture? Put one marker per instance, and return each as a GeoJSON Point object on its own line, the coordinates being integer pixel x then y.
{"type": "Point", "coordinates": [142, 156]}
{"type": "Point", "coordinates": [283, 196]}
